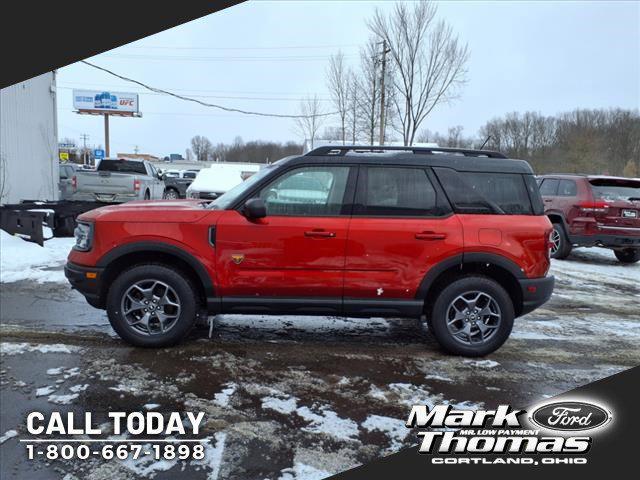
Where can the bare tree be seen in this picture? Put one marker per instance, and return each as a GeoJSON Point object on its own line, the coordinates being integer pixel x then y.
{"type": "Point", "coordinates": [369, 93]}
{"type": "Point", "coordinates": [310, 121]}
{"type": "Point", "coordinates": [338, 84]}
{"type": "Point", "coordinates": [202, 148]}
{"type": "Point", "coordinates": [429, 60]}
{"type": "Point", "coordinates": [352, 110]}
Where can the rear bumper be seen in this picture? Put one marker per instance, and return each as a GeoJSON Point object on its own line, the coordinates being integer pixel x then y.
{"type": "Point", "coordinates": [87, 286]}
{"type": "Point", "coordinates": [535, 292]}
{"type": "Point", "coordinates": [607, 240]}
{"type": "Point", "coordinates": [106, 197]}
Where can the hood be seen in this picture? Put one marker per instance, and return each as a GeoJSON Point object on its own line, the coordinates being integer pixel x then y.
{"type": "Point", "coordinates": [159, 211]}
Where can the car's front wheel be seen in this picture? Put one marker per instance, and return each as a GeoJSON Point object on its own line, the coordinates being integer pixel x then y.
{"type": "Point", "coordinates": [628, 255]}
{"type": "Point", "coordinates": [171, 194]}
{"type": "Point", "coordinates": [472, 316]}
{"type": "Point", "coordinates": [152, 305]}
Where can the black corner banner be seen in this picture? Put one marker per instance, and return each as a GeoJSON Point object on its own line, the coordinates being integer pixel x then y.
{"type": "Point", "coordinates": [614, 446]}
{"type": "Point", "coordinates": [41, 36]}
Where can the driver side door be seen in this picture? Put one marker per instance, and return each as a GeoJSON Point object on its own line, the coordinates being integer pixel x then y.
{"type": "Point", "coordinates": [293, 259]}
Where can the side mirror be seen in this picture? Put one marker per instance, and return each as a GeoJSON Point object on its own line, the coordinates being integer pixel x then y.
{"type": "Point", "coordinates": [254, 208]}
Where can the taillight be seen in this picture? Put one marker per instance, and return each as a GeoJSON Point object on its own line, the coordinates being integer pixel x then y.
{"type": "Point", "coordinates": [597, 206]}
{"type": "Point", "coordinates": [74, 183]}
{"type": "Point", "coordinates": [136, 185]}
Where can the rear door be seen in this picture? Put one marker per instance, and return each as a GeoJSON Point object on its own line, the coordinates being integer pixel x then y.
{"type": "Point", "coordinates": [400, 228]}
{"type": "Point", "coordinates": [293, 259]}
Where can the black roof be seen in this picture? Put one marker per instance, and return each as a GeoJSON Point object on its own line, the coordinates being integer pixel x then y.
{"type": "Point", "coordinates": [465, 160]}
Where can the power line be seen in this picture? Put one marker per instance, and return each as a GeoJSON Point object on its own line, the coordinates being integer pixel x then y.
{"type": "Point", "coordinates": [196, 58]}
{"type": "Point", "coordinates": [288, 47]}
{"type": "Point", "coordinates": [200, 102]}
{"type": "Point", "coordinates": [218, 96]}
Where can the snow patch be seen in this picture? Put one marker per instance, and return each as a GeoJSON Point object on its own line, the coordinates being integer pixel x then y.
{"type": "Point", "coordinates": [63, 399]}
{"type": "Point", "coordinates": [55, 371]}
{"type": "Point", "coordinates": [392, 427]}
{"type": "Point", "coordinates": [481, 363]}
{"type": "Point", "coordinates": [9, 348]}
{"type": "Point", "coordinates": [151, 406]}
{"type": "Point", "coordinates": [79, 388]}
{"type": "Point", "coordinates": [328, 422]}
{"type": "Point", "coordinates": [285, 406]}
{"type": "Point", "coordinates": [224, 397]}
{"type": "Point", "coordinates": [300, 471]}
{"type": "Point", "coordinates": [22, 260]}
{"type": "Point", "coordinates": [7, 435]}
{"type": "Point", "coordinates": [42, 391]}
{"type": "Point", "coordinates": [213, 454]}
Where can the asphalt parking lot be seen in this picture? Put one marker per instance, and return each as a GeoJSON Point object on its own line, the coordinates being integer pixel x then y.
{"type": "Point", "coordinates": [297, 397]}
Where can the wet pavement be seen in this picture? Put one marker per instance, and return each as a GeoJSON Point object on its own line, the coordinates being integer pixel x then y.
{"type": "Point", "coordinates": [299, 397]}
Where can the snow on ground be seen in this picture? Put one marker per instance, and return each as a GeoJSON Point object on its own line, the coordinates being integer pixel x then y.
{"type": "Point", "coordinates": [9, 348]}
{"type": "Point", "coordinates": [22, 260]}
{"type": "Point", "coordinates": [300, 471]}
{"type": "Point", "coordinates": [328, 422]}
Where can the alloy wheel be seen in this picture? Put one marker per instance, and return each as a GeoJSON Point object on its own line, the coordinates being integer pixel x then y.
{"type": "Point", "coordinates": [473, 318]}
{"type": "Point", "coordinates": [151, 307]}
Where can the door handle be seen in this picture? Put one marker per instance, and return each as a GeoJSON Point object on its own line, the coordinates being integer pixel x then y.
{"type": "Point", "coordinates": [547, 200]}
{"type": "Point", "coordinates": [430, 236]}
{"type": "Point", "coordinates": [319, 234]}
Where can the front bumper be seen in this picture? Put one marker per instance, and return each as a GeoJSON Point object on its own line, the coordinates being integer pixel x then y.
{"type": "Point", "coordinates": [87, 280]}
{"type": "Point", "coordinates": [535, 292]}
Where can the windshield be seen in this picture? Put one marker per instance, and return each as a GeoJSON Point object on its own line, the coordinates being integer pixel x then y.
{"type": "Point", "coordinates": [122, 166]}
{"type": "Point", "coordinates": [616, 190]}
{"type": "Point", "coordinates": [228, 198]}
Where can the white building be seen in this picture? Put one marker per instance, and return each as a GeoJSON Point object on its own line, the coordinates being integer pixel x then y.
{"type": "Point", "coordinates": [29, 140]}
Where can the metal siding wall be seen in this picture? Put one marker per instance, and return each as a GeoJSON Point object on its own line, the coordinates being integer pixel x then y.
{"type": "Point", "coordinates": [28, 140]}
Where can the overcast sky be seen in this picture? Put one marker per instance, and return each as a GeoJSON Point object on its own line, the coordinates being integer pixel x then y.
{"type": "Point", "coordinates": [265, 55]}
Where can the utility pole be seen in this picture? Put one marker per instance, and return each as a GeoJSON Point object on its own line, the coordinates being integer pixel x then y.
{"type": "Point", "coordinates": [382, 89]}
{"type": "Point", "coordinates": [106, 135]}
{"type": "Point", "coordinates": [84, 138]}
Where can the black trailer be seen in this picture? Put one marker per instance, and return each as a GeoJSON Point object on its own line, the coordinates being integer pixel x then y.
{"type": "Point", "coordinates": [28, 217]}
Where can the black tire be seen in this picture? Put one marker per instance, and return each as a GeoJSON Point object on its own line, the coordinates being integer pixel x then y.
{"type": "Point", "coordinates": [628, 255]}
{"type": "Point", "coordinates": [439, 316]}
{"type": "Point", "coordinates": [171, 194]}
{"type": "Point", "coordinates": [182, 288]}
{"type": "Point", "coordinates": [564, 247]}
{"type": "Point", "coordinates": [147, 195]}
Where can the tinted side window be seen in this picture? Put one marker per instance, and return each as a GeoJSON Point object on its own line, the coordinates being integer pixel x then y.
{"type": "Point", "coordinates": [494, 193]}
{"type": "Point", "coordinates": [388, 191]}
{"type": "Point", "coordinates": [549, 187]}
{"type": "Point", "coordinates": [567, 188]}
{"type": "Point", "coordinates": [307, 191]}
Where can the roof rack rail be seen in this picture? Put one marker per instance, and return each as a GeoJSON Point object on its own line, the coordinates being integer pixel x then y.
{"type": "Point", "coordinates": [341, 150]}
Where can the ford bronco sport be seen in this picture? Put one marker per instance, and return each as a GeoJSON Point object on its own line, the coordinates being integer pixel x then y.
{"type": "Point", "coordinates": [589, 211]}
{"type": "Point", "coordinates": [458, 237]}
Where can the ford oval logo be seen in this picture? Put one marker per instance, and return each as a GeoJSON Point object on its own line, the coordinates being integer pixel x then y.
{"type": "Point", "coordinates": [570, 416]}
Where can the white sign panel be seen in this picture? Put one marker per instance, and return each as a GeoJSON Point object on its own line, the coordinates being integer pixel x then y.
{"type": "Point", "coordinates": [105, 101]}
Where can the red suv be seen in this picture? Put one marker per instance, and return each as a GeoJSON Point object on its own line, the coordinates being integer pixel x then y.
{"type": "Point", "coordinates": [457, 236]}
{"type": "Point", "coordinates": [589, 211]}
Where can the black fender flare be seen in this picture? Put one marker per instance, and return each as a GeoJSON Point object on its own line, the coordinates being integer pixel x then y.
{"type": "Point", "coordinates": [462, 259]}
{"type": "Point", "coordinates": [160, 247]}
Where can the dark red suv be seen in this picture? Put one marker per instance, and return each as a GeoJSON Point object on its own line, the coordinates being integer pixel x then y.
{"type": "Point", "coordinates": [458, 237]}
{"type": "Point", "coordinates": [589, 211]}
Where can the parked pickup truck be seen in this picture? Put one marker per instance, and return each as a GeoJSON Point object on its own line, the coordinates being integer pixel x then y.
{"type": "Point", "coordinates": [118, 181]}
{"type": "Point", "coordinates": [176, 186]}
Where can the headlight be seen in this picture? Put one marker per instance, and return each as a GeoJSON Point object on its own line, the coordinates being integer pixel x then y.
{"type": "Point", "coordinates": [84, 236]}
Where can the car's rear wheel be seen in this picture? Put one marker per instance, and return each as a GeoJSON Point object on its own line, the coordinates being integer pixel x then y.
{"type": "Point", "coordinates": [560, 245]}
{"type": "Point", "coordinates": [472, 316]}
{"type": "Point", "coordinates": [152, 305]}
{"type": "Point", "coordinates": [628, 255]}
{"type": "Point", "coordinates": [171, 194]}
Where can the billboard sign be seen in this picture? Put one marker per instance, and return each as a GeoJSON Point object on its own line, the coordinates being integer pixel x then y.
{"type": "Point", "coordinates": [108, 102]}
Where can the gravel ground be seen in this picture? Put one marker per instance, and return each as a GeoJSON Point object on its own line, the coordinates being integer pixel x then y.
{"type": "Point", "coordinates": [297, 397]}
